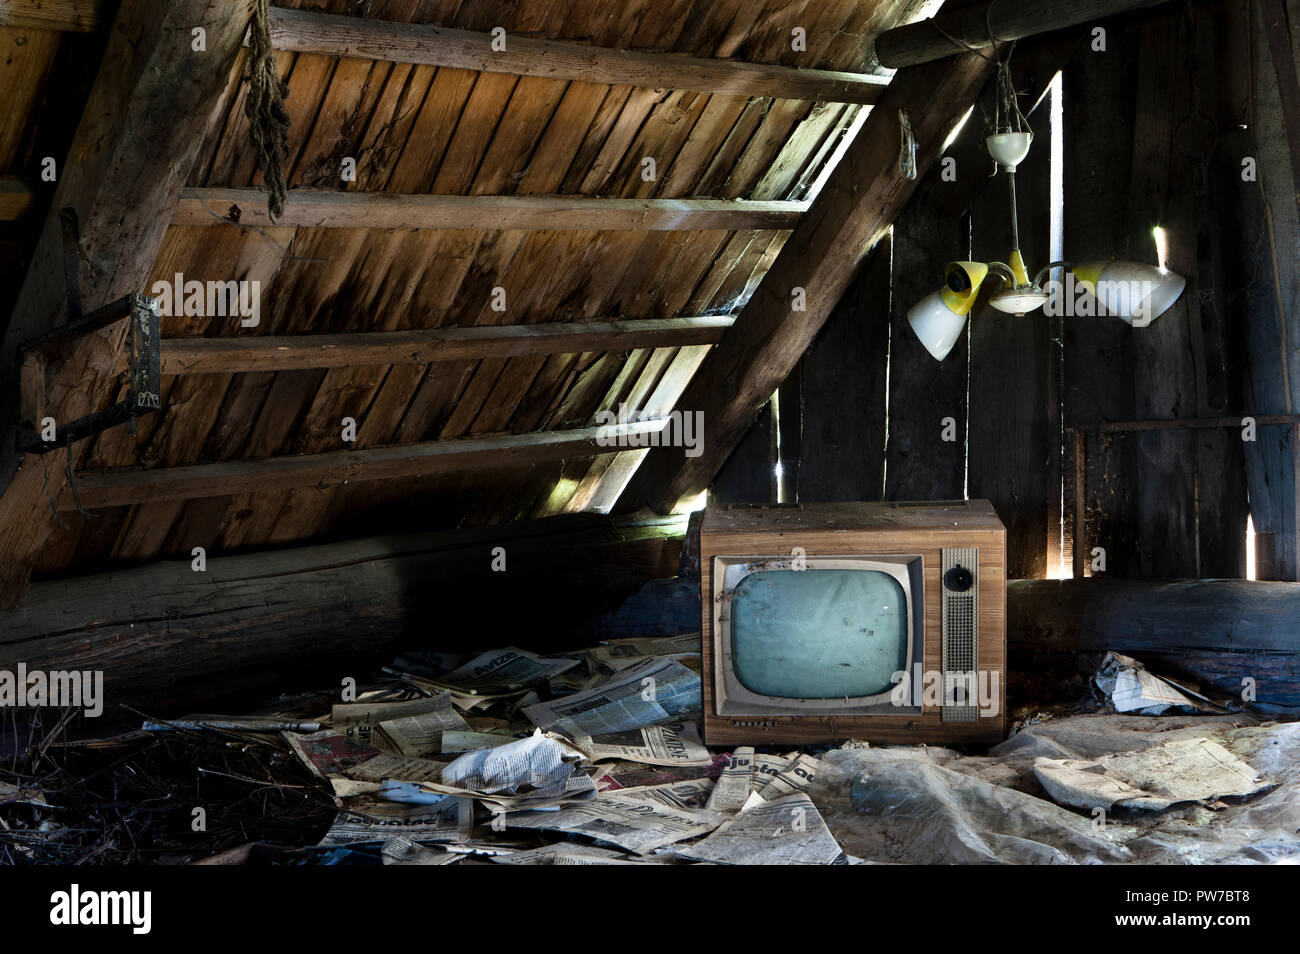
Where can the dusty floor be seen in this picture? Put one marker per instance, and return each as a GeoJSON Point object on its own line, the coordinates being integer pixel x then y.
{"type": "Point", "coordinates": [410, 771]}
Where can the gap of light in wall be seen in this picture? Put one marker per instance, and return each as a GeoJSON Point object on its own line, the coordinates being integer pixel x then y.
{"type": "Point", "coordinates": [1162, 247]}
{"type": "Point", "coordinates": [1056, 334]}
{"type": "Point", "coordinates": [846, 140]}
{"type": "Point", "coordinates": [777, 469]}
{"type": "Point", "coordinates": [698, 502]}
{"type": "Point", "coordinates": [956, 130]}
{"type": "Point", "coordinates": [889, 357]}
{"type": "Point", "coordinates": [1250, 549]}
{"type": "Point", "coordinates": [965, 451]}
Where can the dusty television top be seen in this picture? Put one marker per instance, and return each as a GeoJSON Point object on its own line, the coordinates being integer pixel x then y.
{"type": "Point", "coordinates": [900, 515]}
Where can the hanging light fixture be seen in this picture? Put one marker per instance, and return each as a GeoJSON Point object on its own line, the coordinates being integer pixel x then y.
{"type": "Point", "coordinates": [940, 316]}
{"type": "Point", "coordinates": [1131, 291]}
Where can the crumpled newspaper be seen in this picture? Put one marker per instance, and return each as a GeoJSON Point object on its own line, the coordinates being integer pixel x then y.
{"type": "Point", "coordinates": [1129, 687]}
{"type": "Point", "coordinates": [541, 766]}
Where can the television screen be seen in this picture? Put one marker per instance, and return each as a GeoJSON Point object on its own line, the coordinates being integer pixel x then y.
{"type": "Point", "coordinates": [818, 634]}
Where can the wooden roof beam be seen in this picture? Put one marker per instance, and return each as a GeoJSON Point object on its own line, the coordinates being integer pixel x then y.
{"type": "Point", "coordinates": [860, 201]}
{"type": "Point", "coordinates": [304, 31]}
{"type": "Point", "coordinates": [144, 121]}
{"type": "Point", "coordinates": [123, 488]}
{"type": "Point", "coordinates": [933, 39]}
{"type": "Point", "coordinates": [426, 346]}
{"type": "Point", "coordinates": [329, 208]}
{"type": "Point", "coordinates": [66, 16]}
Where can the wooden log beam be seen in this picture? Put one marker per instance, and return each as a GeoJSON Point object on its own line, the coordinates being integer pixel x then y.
{"type": "Point", "coordinates": [1188, 424]}
{"type": "Point", "coordinates": [425, 346]}
{"type": "Point", "coordinates": [305, 31]}
{"type": "Point", "coordinates": [145, 118]}
{"type": "Point", "coordinates": [1099, 614]}
{"type": "Point", "coordinates": [957, 31]}
{"type": "Point", "coordinates": [67, 16]}
{"type": "Point", "coordinates": [1216, 632]}
{"type": "Point", "coordinates": [859, 202]}
{"type": "Point", "coordinates": [333, 468]}
{"type": "Point", "coordinates": [328, 208]}
{"type": "Point", "coordinates": [152, 628]}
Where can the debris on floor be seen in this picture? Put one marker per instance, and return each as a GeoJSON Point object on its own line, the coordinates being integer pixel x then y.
{"type": "Point", "coordinates": [1128, 686]}
{"type": "Point", "coordinates": [918, 805]}
{"type": "Point", "coordinates": [595, 757]}
{"type": "Point", "coordinates": [1155, 778]}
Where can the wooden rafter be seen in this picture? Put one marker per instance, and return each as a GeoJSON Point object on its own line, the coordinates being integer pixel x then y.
{"type": "Point", "coordinates": [143, 123]}
{"type": "Point", "coordinates": [327, 208]}
{"type": "Point", "coordinates": [425, 346]}
{"type": "Point", "coordinates": [305, 31]}
{"type": "Point", "coordinates": [114, 489]}
{"type": "Point", "coordinates": [860, 201]}
{"type": "Point", "coordinates": [68, 16]}
{"type": "Point", "coordinates": [956, 31]}
{"type": "Point", "coordinates": [1281, 25]}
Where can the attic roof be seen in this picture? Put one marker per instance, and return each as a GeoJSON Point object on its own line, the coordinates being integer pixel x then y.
{"type": "Point", "coordinates": [523, 155]}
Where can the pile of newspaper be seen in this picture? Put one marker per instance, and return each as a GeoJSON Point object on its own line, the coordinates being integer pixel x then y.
{"type": "Point", "coordinates": [590, 757]}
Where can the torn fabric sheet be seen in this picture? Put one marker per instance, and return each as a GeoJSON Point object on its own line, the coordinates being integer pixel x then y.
{"type": "Point", "coordinates": [935, 806]}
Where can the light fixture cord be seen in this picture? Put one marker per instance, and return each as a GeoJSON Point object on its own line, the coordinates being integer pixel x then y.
{"type": "Point", "coordinates": [1007, 101]}
{"type": "Point", "coordinates": [956, 41]}
{"type": "Point", "coordinates": [967, 47]}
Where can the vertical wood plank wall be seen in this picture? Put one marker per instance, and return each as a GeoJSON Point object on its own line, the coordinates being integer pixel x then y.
{"type": "Point", "coordinates": [1153, 136]}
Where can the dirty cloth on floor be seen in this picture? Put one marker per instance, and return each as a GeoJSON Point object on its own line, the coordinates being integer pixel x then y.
{"type": "Point", "coordinates": [1186, 784]}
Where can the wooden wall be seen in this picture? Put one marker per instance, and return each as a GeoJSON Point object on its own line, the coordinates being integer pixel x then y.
{"type": "Point", "coordinates": [879, 417]}
{"type": "Point", "coordinates": [1156, 126]}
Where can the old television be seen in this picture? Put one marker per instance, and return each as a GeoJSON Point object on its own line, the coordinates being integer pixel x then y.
{"type": "Point", "coordinates": [876, 621]}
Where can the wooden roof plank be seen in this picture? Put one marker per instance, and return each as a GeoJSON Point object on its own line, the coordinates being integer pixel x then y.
{"type": "Point", "coordinates": [953, 31]}
{"type": "Point", "coordinates": [332, 35]}
{"type": "Point", "coordinates": [333, 468]}
{"type": "Point", "coordinates": [65, 16]}
{"type": "Point", "coordinates": [297, 352]}
{"type": "Point", "coordinates": [328, 208]}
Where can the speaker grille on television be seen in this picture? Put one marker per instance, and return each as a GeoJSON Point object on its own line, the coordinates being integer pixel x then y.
{"type": "Point", "coordinates": [960, 584]}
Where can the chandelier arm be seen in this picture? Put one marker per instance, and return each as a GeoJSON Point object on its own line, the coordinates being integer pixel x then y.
{"type": "Point", "coordinates": [1038, 279]}
{"type": "Point", "coordinates": [1004, 272]}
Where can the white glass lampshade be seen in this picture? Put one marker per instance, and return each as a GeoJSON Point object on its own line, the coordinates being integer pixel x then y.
{"type": "Point", "coordinates": [1010, 148]}
{"type": "Point", "coordinates": [1131, 291]}
{"type": "Point", "coordinates": [937, 325]}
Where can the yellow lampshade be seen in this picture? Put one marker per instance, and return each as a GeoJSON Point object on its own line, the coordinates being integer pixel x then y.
{"type": "Point", "coordinates": [938, 318]}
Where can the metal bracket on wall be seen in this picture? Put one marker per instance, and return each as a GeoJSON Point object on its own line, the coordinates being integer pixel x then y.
{"type": "Point", "coordinates": [143, 386]}
{"type": "Point", "coordinates": [35, 357]}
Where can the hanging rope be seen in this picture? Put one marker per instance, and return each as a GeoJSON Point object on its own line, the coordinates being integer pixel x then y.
{"type": "Point", "coordinates": [268, 119]}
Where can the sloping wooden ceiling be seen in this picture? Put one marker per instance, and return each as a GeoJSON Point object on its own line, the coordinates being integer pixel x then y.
{"type": "Point", "coordinates": [415, 129]}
